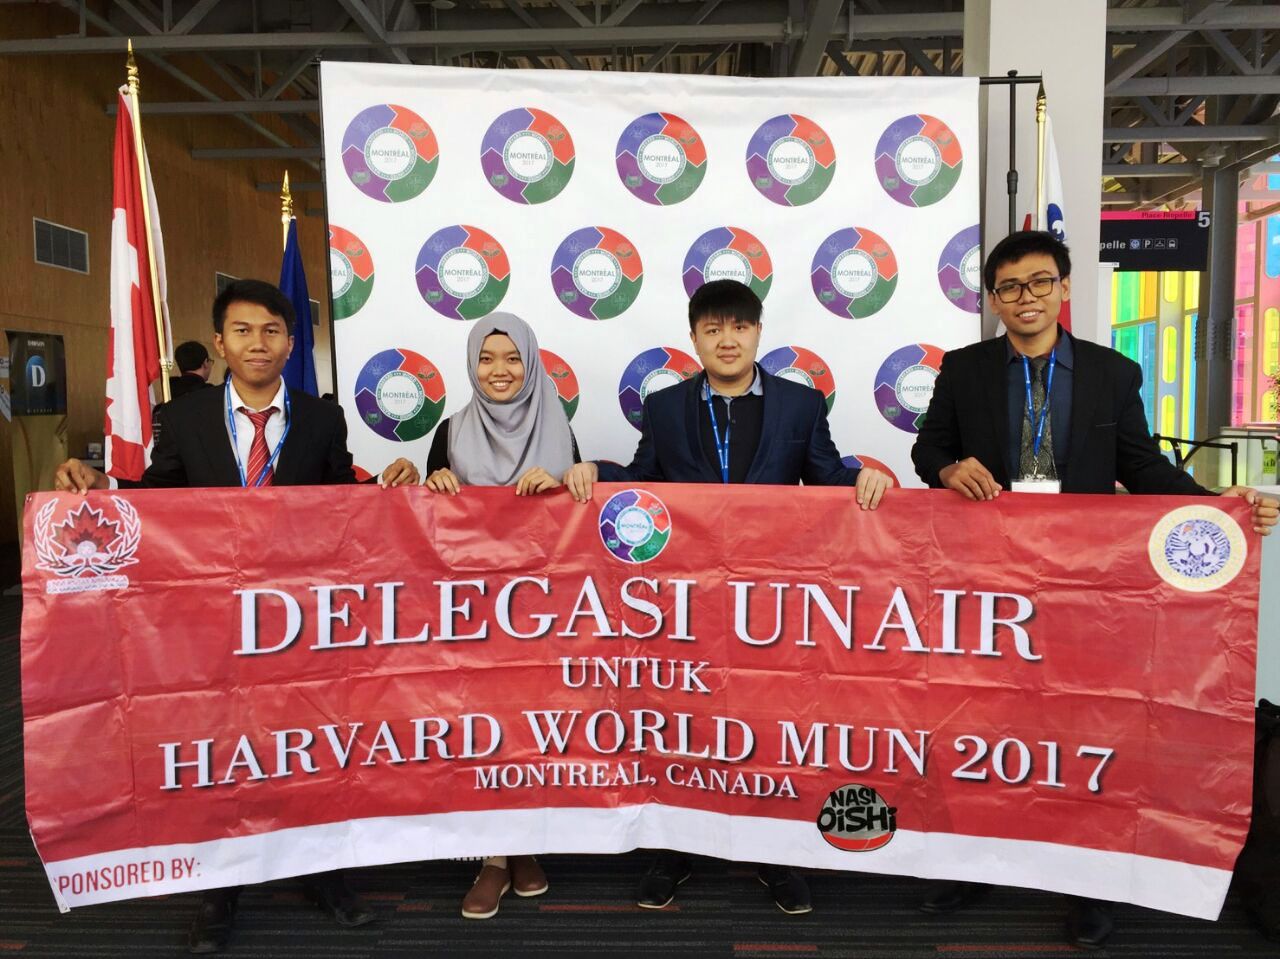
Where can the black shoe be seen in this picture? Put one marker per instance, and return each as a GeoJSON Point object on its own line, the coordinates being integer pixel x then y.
{"type": "Point", "coordinates": [658, 885]}
{"type": "Point", "coordinates": [1089, 923]}
{"type": "Point", "coordinates": [331, 893]}
{"type": "Point", "coordinates": [788, 889]}
{"type": "Point", "coordinates": [211, 927]}
{"type": "Point", "coordinates": [950, 895]}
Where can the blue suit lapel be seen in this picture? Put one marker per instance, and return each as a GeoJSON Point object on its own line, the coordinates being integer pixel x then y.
{"type": "Point", "coordinates": [771, 419]}
{"type": "Point", "coordinates": [693, 430]}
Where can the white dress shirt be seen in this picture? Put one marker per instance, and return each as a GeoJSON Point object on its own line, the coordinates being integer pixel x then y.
{"type": "Point", "coordinates": [244, 426]}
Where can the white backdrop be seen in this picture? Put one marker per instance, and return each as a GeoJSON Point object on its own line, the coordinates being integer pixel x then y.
{"type": "Point", "coordinates": [591, 204]}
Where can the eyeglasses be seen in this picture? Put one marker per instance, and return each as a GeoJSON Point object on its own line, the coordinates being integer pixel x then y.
{"type": "Point", "coordinates": [1012, 292]}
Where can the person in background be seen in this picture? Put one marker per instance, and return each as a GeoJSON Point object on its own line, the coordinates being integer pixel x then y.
{"type": "Point", "coordinates": [514, 432]}
{"type": "Point", "coordinates": [194, 367]}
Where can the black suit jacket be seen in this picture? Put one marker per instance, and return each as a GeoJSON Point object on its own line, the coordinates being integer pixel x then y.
{"type": "Point", "coordinates": [1110, 441]}
{"type": "Point", "coordinates": [184, 384]}
{"type": "Point", "coordinates": [193, 448]}
{"type": "Point", "coordinates": [795, 440]}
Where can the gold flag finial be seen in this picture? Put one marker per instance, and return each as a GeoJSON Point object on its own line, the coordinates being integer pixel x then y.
{"type": "Point", "coordinates": [1041, 103]}
{"type": "Point", "coordinates": [286, 210]}
{"type": "Point", "coordinates": [131, 70]}
{"type": "Point", "coordinates": [1042, 114]}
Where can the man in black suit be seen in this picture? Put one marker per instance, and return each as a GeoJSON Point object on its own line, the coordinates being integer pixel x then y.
{"type": "Point", "coordinates": [732, 423]}
{"type": "Point", "coordinates": [252, 432]}
{"type": "Point", "coordinates": [1038, 410]}
{"type": "Point", "coordinates": [194, 367]}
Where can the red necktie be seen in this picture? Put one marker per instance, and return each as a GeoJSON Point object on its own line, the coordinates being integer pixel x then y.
{"type": "Point", "coordinates": [258, 453]}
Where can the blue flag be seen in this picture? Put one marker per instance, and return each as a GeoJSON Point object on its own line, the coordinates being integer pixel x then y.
{"type": "Point", "coordinates": [300, 371]}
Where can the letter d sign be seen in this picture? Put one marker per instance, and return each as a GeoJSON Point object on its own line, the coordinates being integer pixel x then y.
{"type": "Point", "coordinates": [36, 376]}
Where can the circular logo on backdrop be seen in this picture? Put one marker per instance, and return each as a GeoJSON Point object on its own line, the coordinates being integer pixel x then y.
{"type": "Point", "coordinates": [462, 272]}
{"type": "Point", "coordinates": [596, 273]}
{"type": "Point", "coordinates": [870, 462]}
{"type": "Point", "coordinates": [918, 160]}
{"type": "Point", "coordinates": [904, 384]}
{"type": "Point", "coordinates": [728, 253]}
{"type": "Point", "coordinates": [661, 159]}
{"type": "Point", "coordinates": [634, 525]}
{"type": "Point", "coordinates": [400, 395]}
{"type": "Point", "coordinates": [527, 155]}
{"type": "Point", "coordinates": [1197, 548]}
{"type": "Point", "coordinates": [854, 273]}
{"type": "Point", "coordinates": [790, 160]}
{"type": "Point", "coordinates": [350, 272]}
{"type": "Point", "coordinates": [802, 366]}
{"type": "Point", "coordinates": [960, 270]}
{"type": "Point", "coordinates": [652, 370]}
{"type": "Point", "coordinates": [564, 380]}
{"type": "Point", "coordinates": [855, 818]}
{"type": "Point", "coordinates": [390, 153]}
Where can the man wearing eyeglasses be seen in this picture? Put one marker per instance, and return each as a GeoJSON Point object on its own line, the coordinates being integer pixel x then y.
{"type": "Point", "coordinates": [1038, 411]}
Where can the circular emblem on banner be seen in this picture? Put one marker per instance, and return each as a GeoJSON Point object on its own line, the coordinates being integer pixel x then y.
{"type": "Point", "coordinates": [390, 153]}
{"type": "Point", "coordinates": [400, 395]}
{"type": "Point", "coordinates": [904, 384]}
{"type": "Point", "coordinates": [462, 272]}
{"type": "Point", "coordinates": [652, 370]}
{"type": "Point", "coordinates": [870, 462]}
{"type": "Point", "coordinates": [856, 819]}
{"type": "Point", "coordinates": [1197, 548]}
{"type": "Point", "coordinates": [790, 160]}
{"type": "Point", "coordinates": [350, 272]}
{"type": "Point", "coordinates": [596, 273]}
{"type": "Point", "coordinates": [854, 273]}
{"type": "Point", "coordinates": [661, 159]}
{"type": "Point", "coordinates": [527, 155]}
{"type": "Point", "coordinates": [918, 160]}
{"type": "Point", "coordinates": [960, 270]}
{"type": "Point", "coordinates": [635, 525]}
{"type": "Point", "coordinates": [802, 366]}
{"type": "Point", "coordinates": [564, 379]}
{"type": "Point", "coordinates": [728, 253]}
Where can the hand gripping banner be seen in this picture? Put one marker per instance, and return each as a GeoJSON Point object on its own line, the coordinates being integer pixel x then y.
{"type": "Point", "coordinates": [1053, 692]}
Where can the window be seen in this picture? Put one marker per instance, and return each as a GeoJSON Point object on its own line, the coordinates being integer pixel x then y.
{"type": "Point", "coordinates": [61, 246]}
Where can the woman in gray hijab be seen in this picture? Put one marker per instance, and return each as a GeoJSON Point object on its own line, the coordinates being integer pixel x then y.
{"type": "Point", "coordinates": [514, 432]}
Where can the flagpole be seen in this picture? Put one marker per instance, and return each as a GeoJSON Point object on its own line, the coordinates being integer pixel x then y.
{"type": "Point", "coordinates": [286, 211]}
{"type": "Point", "coordinates": [1041, 113]}
{"type": "Point", "coordinates": [166, 365]}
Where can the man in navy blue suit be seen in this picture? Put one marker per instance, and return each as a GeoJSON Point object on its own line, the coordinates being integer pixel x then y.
{"type": "Point", "coordinates": [734, 423]}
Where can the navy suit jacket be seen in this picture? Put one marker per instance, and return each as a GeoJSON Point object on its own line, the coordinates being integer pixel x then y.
{"type": "Point", "coordinates": [795, 440]}
{"type": "Point", "coordinates": [1110, 441]}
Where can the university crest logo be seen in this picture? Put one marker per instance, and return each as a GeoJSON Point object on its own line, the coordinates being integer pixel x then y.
{"type": "Point", "coordinates": [87, 547]}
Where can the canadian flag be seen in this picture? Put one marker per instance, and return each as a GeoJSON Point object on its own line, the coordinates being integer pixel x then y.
{"type": "Point", "coordinates": [1053, 218]}
{"type": "Point", "coordinates": [133, 355]}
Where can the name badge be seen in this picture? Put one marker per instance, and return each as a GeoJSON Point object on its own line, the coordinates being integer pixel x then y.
{"type": "Point", "coordinates": [1036, 486]}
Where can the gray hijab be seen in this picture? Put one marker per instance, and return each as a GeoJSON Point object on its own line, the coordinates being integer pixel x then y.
{"type": "Point", "coordinates": [493, 442]}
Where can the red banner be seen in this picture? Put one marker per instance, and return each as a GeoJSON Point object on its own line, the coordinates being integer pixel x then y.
{"type": "Point", "coordinates": [226, 687]}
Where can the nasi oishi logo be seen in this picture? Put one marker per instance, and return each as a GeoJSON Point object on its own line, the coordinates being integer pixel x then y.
{"type": "Point", "coordinates": [856, 819]}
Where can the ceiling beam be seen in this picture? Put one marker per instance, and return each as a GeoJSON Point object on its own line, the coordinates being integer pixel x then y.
{"type": "Point", "coordinates": [1149, 169]}
{"type": "Point", "coordinates": [1195, 86]}
{"type": "Point", "coordinates": [1173, 134]}
{"type": "Point", "coordinates": [374, 30]}
{"type": "Point", "coordinates": [187, 108]}
{"type": "Point", "coordinates": [820, 19]}
{"type": "Point", "coordinates": [193, 17]}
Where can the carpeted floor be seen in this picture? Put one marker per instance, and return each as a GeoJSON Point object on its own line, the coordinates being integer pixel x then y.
{"type": "Point", "coordinates": [722, 911]}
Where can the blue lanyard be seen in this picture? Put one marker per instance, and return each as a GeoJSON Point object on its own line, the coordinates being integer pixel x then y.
{"type": "Point", "coordinates": [235, 444]}
{"type": "Point", "coordinates": [722, 448]}
{"type": "Point", "coordinates": [1044, 410]}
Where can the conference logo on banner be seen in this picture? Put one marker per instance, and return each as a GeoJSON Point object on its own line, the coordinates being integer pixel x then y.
{"type": "Point", "coordinates": [918, 160]}
{"type": "Point", "coordinates": [462, 272]}
{"type": "Point", "coordinates": [635, 526]}
{"type": "Point", "coordinates": [400, 395]}
{"type": "Point", "coordinates": [802, 366]}
{"type": "Point", "coordinates": [527, 155]}
{"type": "Point", "coordinates": [728, 253]}
{"type": "Point", "coordinates": [1197, 548]}
{"type": "Point", "coordinates": [854, 273]}
{"type": "Point", "coordinates": [960, 270]}
{"type": "Point", "coordinates": [652, 370]}
{"type": "Point", "coordinates": [791, 160]}
{"type": "Point", "coordinates": [904, 385]}
{"type": "Point", "coordinates": [870, 462]}
{"type": "Point", "coordinates": [855, 818]}
{"type": "Point", "coordinates": [564, 380]}
{"type": "Point", "coordinates": [661, 159]}
{"type": "Point", "coordinates": [390, 153]}
{"type": "Point", "coordinates": [350, 272]}
{"type": "Point", "coordinates": [86, 548]}
{"type": "Point", "coordinates": [596, 273]}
